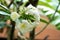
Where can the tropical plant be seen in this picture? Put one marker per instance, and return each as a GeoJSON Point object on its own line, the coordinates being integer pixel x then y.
{"type": "Point", "coordinates": [25, 16]}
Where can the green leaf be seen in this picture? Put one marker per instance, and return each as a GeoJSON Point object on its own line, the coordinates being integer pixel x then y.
{"type": "Point", "coordinates": [8, 12]}
{"type": "Point", "coordinates": [3, 2]}
{"type": "Point", "coordinates": [45, 4]}
{"type": "Point", "coordinates": [4, 18]}
{"type": "Point", "coordinates": [59, 0]}
{"type": "Point", "coordinates": [44, 11]}
{"type": "Point", "coordinates": [4, 13]}
{"type": "Point", "coordinates": [58, 26]}
{"type": "Point", "coordinates": [59, 11]}
{"type": "Point", "coordinates": [27, 17]}
{"type": "Point", "coordinates": [56, 20]}
{"type": "Point", "coordinates": [50, 16]}
{"type": "Point", "coordinates": [4, 7]}
{"type": "Point", "coordinates": [44, 21]}
{"type": "Point", "coordinates": [48, 0]}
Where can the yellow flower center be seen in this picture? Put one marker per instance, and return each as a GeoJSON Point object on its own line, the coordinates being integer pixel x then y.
{"type": "Point", "coordinates": [23, 26]}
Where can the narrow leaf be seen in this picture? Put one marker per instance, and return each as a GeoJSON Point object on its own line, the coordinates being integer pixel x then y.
{"type": "Point", "coordinates": [44, 21]}
{"type": "Point", "coordinates": [4, 13]}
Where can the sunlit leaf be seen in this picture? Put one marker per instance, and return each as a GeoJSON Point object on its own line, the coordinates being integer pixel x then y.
{"type": "Point", "coordinates": [45, 4]}
{"type": "Point", "coordinates": [4, 13]}
{"type": "Point", "coordinates": [48, 0]}
{"type": "Point", "coordinates": [3, 6]}
{"type": "Point", "coordinates": [58, 26]}
{"type": "Point", "coordinates": [56, 20]}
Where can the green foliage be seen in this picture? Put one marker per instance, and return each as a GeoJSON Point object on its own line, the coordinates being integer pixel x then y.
{"type": "Point", "coordinates": [4, 12]}
{"type": "Point", "coordinates": [4, 8]}
{"type": "Point", "coordinates": [44, 21]}
{"type": "Point", "coordinates": [58, 26]}
{"type": "Point", "coordinates": [50, 16]}
{"type": "Point", "coordinates": [3, 2]}
{"type": "Point", "coordinates": [4, 18]}
{"type": "Point", "coordinates": [45, 4]}
{"type": "Point", "coordinates": [48, 0]}
{"type": "Point", "coordinates": [59, 0]}
{"type": "Point", "coordinates": [27, 17]}
{"type": "Point", "coordinates": [44, 11]}
{"type": "Point", "coordinates": [56, 22]}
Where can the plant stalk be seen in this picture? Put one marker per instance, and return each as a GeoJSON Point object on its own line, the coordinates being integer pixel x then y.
{"type": "Point", "coordinates": [32, 34]}
{"type": "Point", "coordinates": [12, 30]}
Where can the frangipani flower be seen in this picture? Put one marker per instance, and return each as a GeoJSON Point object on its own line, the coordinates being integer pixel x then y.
{"type": "Point", "coordinates": [14, 16]}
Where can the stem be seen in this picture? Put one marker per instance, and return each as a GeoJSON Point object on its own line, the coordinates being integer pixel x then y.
{"type": "Point", "coordinates": [49, 21]}
{"type": "Point", "coordinates": [41, 30]}
{"type": "Point", "coordinates": [12, 30]}
{"type": "Point", "coordinates": [18, 9]}
{"type": "Point", "coordinates": [55, 11]}
{"type": "Point", "coordinates": [32, 34]}
{"type": "Point", "coordinates": [46, 38]}
{"type": "Point", "coordinates": [11, 36]}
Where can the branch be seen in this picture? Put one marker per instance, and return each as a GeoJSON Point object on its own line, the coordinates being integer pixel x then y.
{"type": "Point", "coordinates": [49, 21]}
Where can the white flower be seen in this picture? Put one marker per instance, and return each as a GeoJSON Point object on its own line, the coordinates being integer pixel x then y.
{"type": "Point", "coordinates": [14, 16]}
{"type": "Point", "coordinates": [34, 11]}
{"type": "Point", "coordinates": [24, 26]}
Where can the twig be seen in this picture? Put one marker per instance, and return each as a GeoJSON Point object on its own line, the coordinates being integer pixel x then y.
{"type": "Point", "coordinates": [41, 29]}
{"type": "Point", "coordinates": [49, 21]}
{"type": "Point", "coordinates": [46, 37]}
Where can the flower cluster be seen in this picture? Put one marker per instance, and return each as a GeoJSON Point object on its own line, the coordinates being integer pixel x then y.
{"type": "Point", "coordinates": [27, 19]}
